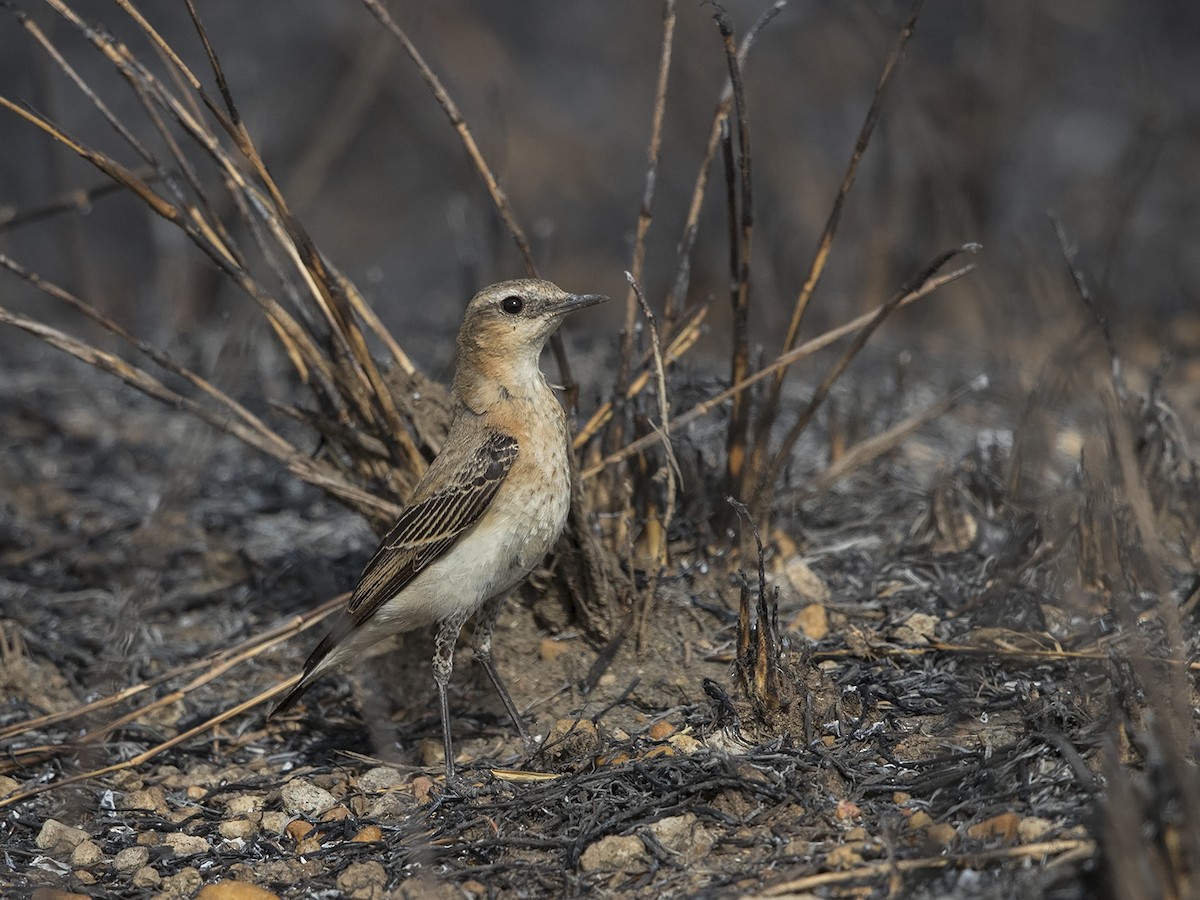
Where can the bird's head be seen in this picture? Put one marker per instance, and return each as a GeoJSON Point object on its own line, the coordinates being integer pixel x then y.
{"type": "Point", "coordinates": [506, 326]}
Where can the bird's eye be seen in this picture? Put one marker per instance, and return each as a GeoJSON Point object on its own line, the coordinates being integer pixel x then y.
{"type": "Point", "coordinates": [512, 305]}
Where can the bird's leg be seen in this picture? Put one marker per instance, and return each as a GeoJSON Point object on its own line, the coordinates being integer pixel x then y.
{"type": "Point", "coordinates": [485, 625]}
{"type": "Point", "coordinates": [443, 665]}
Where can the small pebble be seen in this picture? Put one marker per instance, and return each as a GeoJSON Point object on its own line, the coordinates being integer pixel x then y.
{"type": "Point", "coordinates": [242, 804]}
{"type": "Point", "coordinates": [381, 778]}
{"type": "Point", "coordinates": [233, 829]}
{"type": "Point", "coordinates": [363, 880]}
{"type": "Point", "coordinates": [1033, 828]}
{"type": "Point", "coordinates": [186, 844]}
{"type": "Point", "coordinates": [152, 799]}
{"type": "Point", "coordinates": [146, 876]}
{"type": "Point", "coordinates": [616, 852]}
{"type": "Point", "coordinates": [131, 859]}
{"type": "Point", "coordinates": [274, 822]}
{"type": "Point", "coordinates": [661, 730]}
{"type": "Point", "coordinates": [59, 838]}
{"type": "Point", "coordinates": [684, 835]}
{"type": "Point", "coordinates": [235, 890]}
{"type": "Point", "coordinates": [941, 834]}
{"type": "Point", "coordinates": [183, 884]}
{"type": "Point", "coordinates": [920, 819]}
{"type": "Point", "coordinates": [301, 797]}
{"type": "Point", "coordinates": [86, 853]}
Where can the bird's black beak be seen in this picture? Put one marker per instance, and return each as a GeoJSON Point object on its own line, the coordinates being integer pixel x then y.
{"type": "Point", "coordinates": [572, 302]}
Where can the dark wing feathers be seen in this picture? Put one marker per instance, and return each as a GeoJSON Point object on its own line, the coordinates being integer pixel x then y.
{"type": "Point", "coordinates": [429, 527]}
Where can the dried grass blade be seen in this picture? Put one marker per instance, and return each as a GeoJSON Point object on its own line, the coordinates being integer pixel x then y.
{"type": "Point", "coordinates": [923, 279]}
{"type": "Point", "coordinates": [806, 349]}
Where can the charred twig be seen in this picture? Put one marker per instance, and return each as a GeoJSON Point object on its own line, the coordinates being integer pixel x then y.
{"type": "Point", "coordinates": [807, 349]}
{"type": "Point", "coordinates": [759, 647]}
{"type": "Point", "coordinates": [78, 200]}
{"type": "Point", "coordinates": [741, 230]}
{"type": "Point", "coordinates": [499, 198]}
{"type": "Point", "coordinates": [871, 448]}
{"type": "Point", "coordinates": [246, 649]}
{"type": "Point", "coordinates": [770, 410]}
{"type": "Point", "coordinates": [678, 293]}
{"type": "Point", "coordinates": [768, 475]}
{"type": "Point", "coordinates": [645, 213]}
{"type": "Point", "coordinates": [670, 469]}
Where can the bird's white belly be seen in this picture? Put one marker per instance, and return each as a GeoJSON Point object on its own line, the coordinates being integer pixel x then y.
{"type": "Point", "coordinates": [513, 536]}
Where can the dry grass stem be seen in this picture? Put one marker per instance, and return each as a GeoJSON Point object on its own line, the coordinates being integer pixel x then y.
{"type": "Point", "coordinates": [182, 738]}
{"type": "Point", "coordinates": [1067, 847]}
{"type": "Point", "coordinates": [679, 287]}
{"type": "Point", "coordinates": [246, 649]}
{"type": "Point", "coordinates": [875, 446]}
{"type": "Point", "coordinates": [806, 349]}
{"type": "Point", "coordinates": [669, 472]}
{"type": "Point", "coordinates": [770, 411]}
{"type": "Point", "coordinates": [741, 231]}
{"type": "Point", "coordinates": [499, 198]}
{"type": "Point", "coordinates": [645, 211]}
{"type": "Point", "coordinates": [767, 477]}
{"type": "Point", "coordinates": [689, 333]}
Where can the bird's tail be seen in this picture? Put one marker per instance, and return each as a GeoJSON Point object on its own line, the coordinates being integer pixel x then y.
{"type": "Point", "coordinates": [316, 665]}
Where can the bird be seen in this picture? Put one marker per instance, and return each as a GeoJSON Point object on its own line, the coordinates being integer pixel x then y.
{"type": "Point", "coordinates": [488, 509]}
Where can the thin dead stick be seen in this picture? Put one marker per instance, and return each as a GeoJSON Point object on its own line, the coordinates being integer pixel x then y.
{"type": "Point", "coordinates": [349, 374]}
{"type": "Point", "coordinates": [645, 212]}
{"type": "Point", "coordinates": [278, 445]}
{"type": "Point", "coordinates": [806, 349]}
{"type": "Point", "coordinates": [499, 198]}
{"type": "Point", "coordinates": [74, 77]}
{"type": "Point", "coordinates": [213, 672]}
{"type": "Point", "coordinates": [216, 238]}
{"type": "Point", "coordinates": [251, 646]}
{"type": "Point", "coordinates": [671, 469]}
{"type": "Point", "coordinates": [865, 451]}
{"type": "Point", "coordinates": [680, 344]}
{"type": "Point", "coordinates": [108, 166]}
{"type": "Point", "coordinates": [329, 286]}
{"type": "Point", "coordinates": [79, 200]}
{"type": "Point", "coordinates": [784, 453]}
{"type": "Point", "coordinates": [311, 266]}
{"type": "Point", "coordinates": [741, 232]}
{"type": "Point", "coordinates": [134, 762]}
{"type": "Point", "coordinates": [1085, 846]}
{"type": "Point", "coordinates": [279, 319]}
{"type": "Point", "coordinates": [687, 243]}
{"type": "Point", "coordinates": [1085, 294]}
{"type": "Point", "coordinates": [302, 466]}
{"type": "Point", "coordinates": [771, 409]}
{"type": "Point", "coordinates": [1002, 653]}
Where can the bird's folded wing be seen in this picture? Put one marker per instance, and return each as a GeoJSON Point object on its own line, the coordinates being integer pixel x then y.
{"type": "Point", "coordinates": [431, 525]}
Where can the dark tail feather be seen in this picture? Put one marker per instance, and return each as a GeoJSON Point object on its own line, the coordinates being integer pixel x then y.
{"type": "Point", "coordinates": [306, 680]}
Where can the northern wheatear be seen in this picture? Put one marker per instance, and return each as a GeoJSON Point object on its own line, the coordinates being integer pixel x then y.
{"type": "Point", "coordinates": [488, 509]}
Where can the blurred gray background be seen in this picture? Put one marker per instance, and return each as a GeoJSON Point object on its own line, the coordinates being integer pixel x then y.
{"type": "Point", "coordinates": [1000, 113]}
